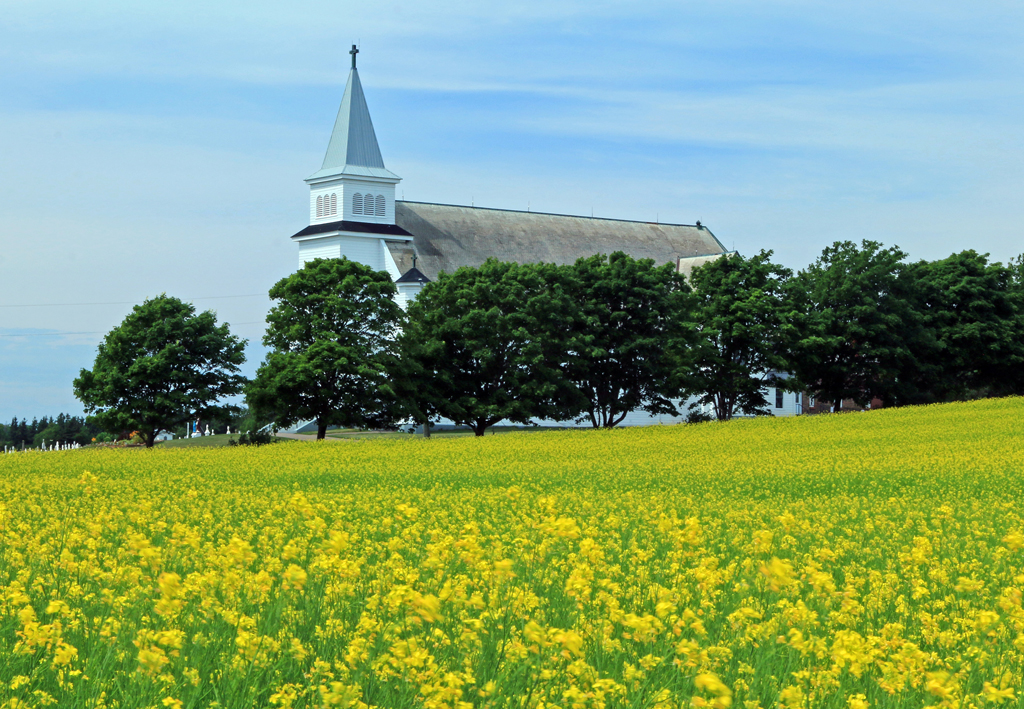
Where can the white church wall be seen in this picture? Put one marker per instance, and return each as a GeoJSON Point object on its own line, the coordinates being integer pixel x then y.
{"type": "Point", "coordinates": [344, 190]}
{"type": "Point", "coordinates": [633, 418]}
{"type": "Point", "coordinates": [389, 262]}
{"type": "Point", "coordinates": [363, 250]}
{"type": "Point", "coordinates": [407, 293]}
{"type": "Point", "coordinates": [319, 248]}
{"type": "Point", "coordinates": [792, 403]}
{"type": "Point", "coordinates": [352, 187]}
{"type": "Point", "coordinates": [326, 193]}
{"type": "Point", "coordinates": [326, 189]}
{"type": "Point", "coordinates": [642, 418]}
{"type": "Point", "coordinates": [355, 248]}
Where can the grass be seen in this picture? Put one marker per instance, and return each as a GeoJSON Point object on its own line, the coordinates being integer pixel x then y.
{"type": "Point", "coordinates": [459, 432]}
{"type": "Point", "coordinates": [223, 439]}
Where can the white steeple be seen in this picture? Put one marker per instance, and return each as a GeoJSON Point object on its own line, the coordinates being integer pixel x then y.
{"type": "Point", "coordinates": [353, 184]}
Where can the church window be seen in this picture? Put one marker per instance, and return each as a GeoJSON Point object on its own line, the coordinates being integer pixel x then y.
{"type": "Point", "coordinates": [357, 203]}
{"type": "Point", "coordinates": [320, 206]}
{"type": "Point", "coordinates": [778, 398]}
{"type": "Point", "coordinates": [334, 203]}
{"type": "Point", "coordinates": [380, 205]}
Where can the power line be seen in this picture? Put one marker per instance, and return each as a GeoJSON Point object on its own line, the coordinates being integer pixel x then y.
{"type": "Point", "coordinates": [98, 332]}
{"type": "Point", "coordinates": [125, 302]}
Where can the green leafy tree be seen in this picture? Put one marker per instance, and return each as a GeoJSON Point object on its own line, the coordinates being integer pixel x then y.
{"type": "Point", "coordinates": [47, 436]}
{"type": "Point", "coordinates": [332, 335]}
{"type": "Point", "coordinates": [1016, 267]}
{"type": "Point", "coordinates": [626, 325]}
{"type": "Point", "coordinates": [477, 351]}
{"type": "Point", "coordinates": [163, 365]}
{"type": "Point", "coordinates": [741, 310]}
{"type": "Point", "coordinates": [974, 316]}
{"type": "Point", "coordinates": [852, 324]}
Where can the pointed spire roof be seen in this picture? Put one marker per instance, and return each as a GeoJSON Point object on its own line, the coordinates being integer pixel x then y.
{"type": "Point", "coordinates": [353, 149]}
{"type": "Point", "coordinates": [413, 275]}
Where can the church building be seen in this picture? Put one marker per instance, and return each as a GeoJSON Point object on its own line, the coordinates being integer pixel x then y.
{"type": "Point", "coordinates": [353, 213]}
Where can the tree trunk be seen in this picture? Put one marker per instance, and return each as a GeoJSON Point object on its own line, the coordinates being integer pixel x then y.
{"type": "Point", "coordinates": [479, 429]}
{"type": "Point", "coordinates": [149, 438]}
{"type": "Point", "coordinates": [612, 420]}
{"type": "Point", "coordinates": [321, 430]}
{"type": "Point", "coordinates": [723, 411]}
{"type": "Point", "coordinates": [426, 429]}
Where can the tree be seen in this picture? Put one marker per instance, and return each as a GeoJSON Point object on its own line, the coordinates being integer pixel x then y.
{"type": "Point", "coordinates": [626, 324]}
{"type": "Point", "coordinates": [47, 435]}
{"type": "Point", "coordinates": [476, 349]}
{"type": "Point", "coordinates": [975, 322]}
{"type": "Point", "coordinates": [740, 312]}
{"type": "Point", "coordinates": [333, 338]}
{"type": "Point", "coordinates": [1016, 267]}
{"type": "Point", "coordinates": [163, 365]}
{"type": "Point", "coordinates": [852, 324]}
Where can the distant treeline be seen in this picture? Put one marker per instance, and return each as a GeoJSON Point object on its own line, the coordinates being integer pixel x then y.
{"type": "Point", "coordinates": [61, 429]}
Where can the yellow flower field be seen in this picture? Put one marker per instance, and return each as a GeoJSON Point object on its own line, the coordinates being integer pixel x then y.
{"type": "Point", "coordinates": [862, 560]}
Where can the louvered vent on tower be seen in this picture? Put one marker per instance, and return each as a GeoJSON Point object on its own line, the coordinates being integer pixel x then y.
{"type": "Point", "coordinates": [380, 205]}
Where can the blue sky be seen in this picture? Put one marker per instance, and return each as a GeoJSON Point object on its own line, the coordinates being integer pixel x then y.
{"type": "Point", "coordinates": [161, 147]}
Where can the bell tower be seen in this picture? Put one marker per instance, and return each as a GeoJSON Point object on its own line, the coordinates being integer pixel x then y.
{"type": "Point", "coordinates": [352, 195]}
{"type": "Point", "coordinates": [352, 184]}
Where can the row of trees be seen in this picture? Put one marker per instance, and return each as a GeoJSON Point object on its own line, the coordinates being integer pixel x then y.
{"type": "Point", "coordinates": [60, 429]}
{"type": "Point", "coordinates": [605, 336]}
{"type": "Point", "coordinates": [591, 341]}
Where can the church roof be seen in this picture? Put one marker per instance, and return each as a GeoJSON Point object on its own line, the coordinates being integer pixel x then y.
{"type": "Point", "coordinates": [446, 237]}
{"type": "Point", "coordinates": [353, 149]}
{"type": "Point", "coordinates": [413, 275]}
{"type": "Point", "coordinates": [344, 225]}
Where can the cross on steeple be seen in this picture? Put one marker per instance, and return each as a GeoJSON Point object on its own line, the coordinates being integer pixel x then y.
{"type": "Point", "coordinates": [354, 51]}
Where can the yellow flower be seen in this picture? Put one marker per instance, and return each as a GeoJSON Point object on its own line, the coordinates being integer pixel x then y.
{"type": "Point", "coordinates": [151, 660]}
{"type": "Point", "coordinates": [779, 574]}
{"type": "Point", "coordinates": [791, 697]}
{"type": "Point", "coordinates": [995, 695]}
{"type": "Point", "coordinates": [298, 650]}
{"type": "Point", "coordinates": [340, 695]}
{"type": "Point", "coordinates": [570, 641]}
{"type": "Point", "coordinates": [294, 577]}
{"type": "Point", "coordinates": [64, 654]}
{"type": "Point", "coordinates": [709, 682]}
{"type": "Point", "coordinates": [285, 696]}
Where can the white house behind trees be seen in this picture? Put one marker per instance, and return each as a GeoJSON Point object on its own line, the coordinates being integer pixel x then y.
{"type": "Point", "coordinates": [353, 212]}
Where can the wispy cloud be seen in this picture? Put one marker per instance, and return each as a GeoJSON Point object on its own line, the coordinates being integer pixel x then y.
{"type": "Point", "coordinates": [160, 147]}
